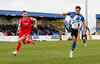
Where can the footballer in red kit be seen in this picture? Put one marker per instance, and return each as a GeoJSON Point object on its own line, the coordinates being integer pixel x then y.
{"type": "Point", "coordinates": [24, 29]}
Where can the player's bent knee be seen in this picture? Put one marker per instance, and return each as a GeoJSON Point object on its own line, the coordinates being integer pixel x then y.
{"type": "Point", "coordinates": [21, 39]}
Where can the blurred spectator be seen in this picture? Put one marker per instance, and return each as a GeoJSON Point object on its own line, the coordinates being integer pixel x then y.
{"type": "Point", "coordinates": [11, 30]}
{"type": "Point", "coordinates": [5, 33]}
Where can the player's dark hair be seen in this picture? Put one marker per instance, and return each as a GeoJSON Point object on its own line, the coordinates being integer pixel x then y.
{"type": "Point", "coordinates": [24, 11]}
{"type": "Point", "coordinates": [78, 7]}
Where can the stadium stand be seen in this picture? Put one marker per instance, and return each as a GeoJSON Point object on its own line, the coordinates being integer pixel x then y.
{"type": "Point", "coordinates": [44, 31]}
{"type": "Point", "coordinates": [8, 30]}
{"type": "Point", "coordinates": [9, 22]}
{"type": "Point", "coordinates": [34, 14]}
{"type": "Point", "coordinates": [11, 30]}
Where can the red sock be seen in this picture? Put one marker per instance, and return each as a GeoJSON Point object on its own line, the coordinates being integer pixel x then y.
{"type": "Point", "coordinates": [28, 41]}
{"type": "Point", "coordinates": [18, 46]}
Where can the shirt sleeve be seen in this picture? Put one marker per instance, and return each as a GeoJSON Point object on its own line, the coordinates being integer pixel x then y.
{"type": "Point", "coordinates": [82, 18]}
{"type": "Point", "coordinates": [69, 13]}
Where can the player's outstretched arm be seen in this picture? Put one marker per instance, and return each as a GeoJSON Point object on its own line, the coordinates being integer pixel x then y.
{"type": "Point", "coordinates": [63, 14]}
{"type": "Point", "coordinates": [35, 26]}
{"type": "Point", "coordinates": [35, 20]}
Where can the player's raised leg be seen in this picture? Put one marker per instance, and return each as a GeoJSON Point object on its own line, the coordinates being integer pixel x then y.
{"type": "Point", "coordinates": [30, 41]}
{"type": "Point", "coordinates": [26, 37]}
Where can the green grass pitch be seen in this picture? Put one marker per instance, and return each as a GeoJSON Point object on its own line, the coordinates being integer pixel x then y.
{"type": "Point", "coordinates": [54, 52]}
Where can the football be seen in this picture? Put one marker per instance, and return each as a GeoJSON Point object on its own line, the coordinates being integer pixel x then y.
{"type": "Point", "coordinates": [74, 25]}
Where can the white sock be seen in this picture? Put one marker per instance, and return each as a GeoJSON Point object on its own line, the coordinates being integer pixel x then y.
{"type": "Point", "coordinates": [71, 51]}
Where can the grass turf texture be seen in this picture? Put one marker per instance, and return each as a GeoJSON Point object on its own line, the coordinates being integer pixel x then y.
{"type": "Point", "coordinates": [55, 52]}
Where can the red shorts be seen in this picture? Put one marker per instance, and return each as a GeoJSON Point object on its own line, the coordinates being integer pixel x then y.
{"type": "Point", "coordinates": [25, 35]}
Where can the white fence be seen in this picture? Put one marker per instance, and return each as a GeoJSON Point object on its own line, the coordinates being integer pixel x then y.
{"type": "Point", "coordinates": [38, 38]}
{"type": "Point", "coordinates": [95, 37]}
{"type": "Point", "coordinates": [44, 38]}
{"type": "Point", "coordinates": [8, 38]}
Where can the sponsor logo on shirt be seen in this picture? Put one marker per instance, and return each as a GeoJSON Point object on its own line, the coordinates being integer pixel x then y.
{"type": "Point", "coordinates": [25, 23]}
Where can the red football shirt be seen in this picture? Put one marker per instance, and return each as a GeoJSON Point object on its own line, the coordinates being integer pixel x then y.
{"type": "Point", "coordinates": [25, 24]}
